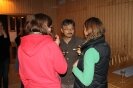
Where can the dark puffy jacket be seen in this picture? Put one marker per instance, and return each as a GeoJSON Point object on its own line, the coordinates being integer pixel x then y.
{"type": "Point", "coordinates": [101, 68]}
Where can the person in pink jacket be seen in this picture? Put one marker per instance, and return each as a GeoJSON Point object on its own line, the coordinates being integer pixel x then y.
{"type": "Point", "coordinates": [40, 58]}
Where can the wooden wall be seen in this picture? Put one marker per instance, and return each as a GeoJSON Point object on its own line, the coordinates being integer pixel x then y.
{"type": "Point", "coordinates": [117, 16]}
{"type": "Point", "coordinates": [20, 7]}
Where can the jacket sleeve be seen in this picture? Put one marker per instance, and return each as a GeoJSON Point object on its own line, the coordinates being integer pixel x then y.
{"type": "Point", "coordinates": [90, 58]}
{"type": "Point", "coordinates": [59, 62]}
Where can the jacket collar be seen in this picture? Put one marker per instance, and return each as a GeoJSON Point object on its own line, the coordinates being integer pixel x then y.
{"type": "Point", "coordinates": [92, 42]}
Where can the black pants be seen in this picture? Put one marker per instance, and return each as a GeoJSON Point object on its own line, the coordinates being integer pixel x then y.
{"type": "Point", "coordinates": [4, 69]}
{"type": "Point", "coordinates": [22, 85]}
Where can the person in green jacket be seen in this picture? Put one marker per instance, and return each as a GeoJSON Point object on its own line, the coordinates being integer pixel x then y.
{"type": "Point", "coordinates": [91, 68]}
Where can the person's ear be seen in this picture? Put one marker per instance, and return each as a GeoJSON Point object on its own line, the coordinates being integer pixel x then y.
{"type": "Point", "coordinates": [61, 30]}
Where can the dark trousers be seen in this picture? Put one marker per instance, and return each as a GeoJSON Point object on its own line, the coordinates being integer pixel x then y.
{"type": "Point", "coordinates": [17, 68]}
{"type": "Point", "coordinates": [22, 85]}
{"type": "Point", "coordinates": [4, 69]}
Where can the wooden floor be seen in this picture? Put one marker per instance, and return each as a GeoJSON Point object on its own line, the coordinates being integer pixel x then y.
{"type": "Point", "coordinates": [14, 81]}
{"type": "Point", "coordinates": [117, 81]}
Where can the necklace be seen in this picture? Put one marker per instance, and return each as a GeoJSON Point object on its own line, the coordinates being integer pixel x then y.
{"type": "Point", "coordinates": [36, 33]}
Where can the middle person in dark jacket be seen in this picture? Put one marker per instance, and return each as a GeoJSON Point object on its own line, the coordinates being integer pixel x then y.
{"type": "Point", "coordinates": [69, 43]}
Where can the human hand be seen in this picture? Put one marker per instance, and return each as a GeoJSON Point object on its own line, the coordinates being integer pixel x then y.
{"type": "Point", "coordinates": [76, 63]}
{"type": "Point", "coordinates": [4, 33]}
{"type": "Point", "coordinates": [57, 39]}
{"type": "Point", "coordinates": [79, 50]}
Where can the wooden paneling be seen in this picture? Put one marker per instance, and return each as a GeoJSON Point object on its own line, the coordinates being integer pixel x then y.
{"type": "Point", "coordinates": [24, 7]}
{"type": "Point", "coordinates": [27, 7]}
{"type": "Point", "coordinates": [20, 6]}
{"type": "Point", "coordinates": [117, 16]}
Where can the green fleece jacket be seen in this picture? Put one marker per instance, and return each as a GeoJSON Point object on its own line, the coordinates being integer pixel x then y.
{"type": "Point", "coordinates": [91, 57]}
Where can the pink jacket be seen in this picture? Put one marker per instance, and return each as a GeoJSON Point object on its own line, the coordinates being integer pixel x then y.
{"type": "Point", "coordinates": [40, 62]}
